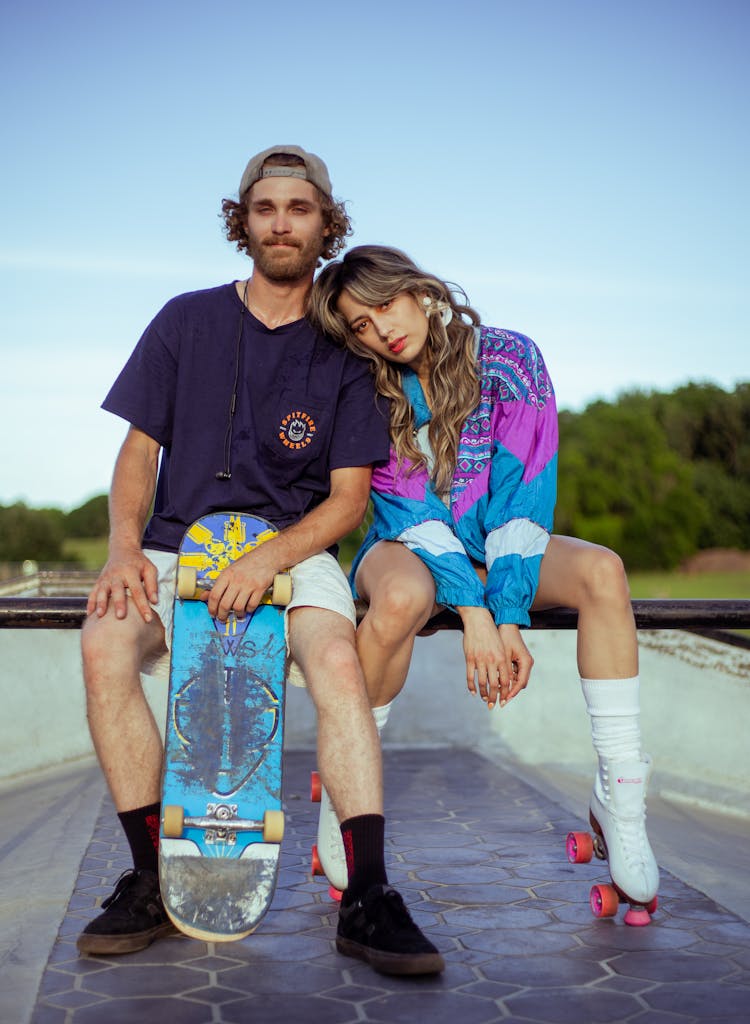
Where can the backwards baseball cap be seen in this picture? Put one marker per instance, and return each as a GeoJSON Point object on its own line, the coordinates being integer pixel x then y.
{"type": "Point", "coordinates": [312, 169]}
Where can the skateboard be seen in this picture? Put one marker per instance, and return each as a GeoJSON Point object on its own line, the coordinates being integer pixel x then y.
{"type": "Point", "coordinates": [605, 899]}
{"type": "Point", "coordinates": [222, 822]}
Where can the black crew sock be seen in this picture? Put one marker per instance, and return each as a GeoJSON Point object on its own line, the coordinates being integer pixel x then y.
{"type": "Point", "coordinates": [364, 844]}
{"type": "Point", "coordinates": [142, 833]}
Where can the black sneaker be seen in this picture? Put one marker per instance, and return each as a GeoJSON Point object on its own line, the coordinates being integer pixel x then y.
{"type": "Point", "coordinates": [378, 928]}
{"type": "Point", "coordinates": [133, 917]}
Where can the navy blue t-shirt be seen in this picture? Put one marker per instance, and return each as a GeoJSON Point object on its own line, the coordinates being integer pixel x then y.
{"type": "Point", "coordinates": [304, 407]}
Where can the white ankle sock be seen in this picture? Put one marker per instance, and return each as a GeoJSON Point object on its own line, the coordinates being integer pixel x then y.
{"type": "Point", "coordinates": [614, 708]}
{"type": "Point", "coordinates": [381, 716]}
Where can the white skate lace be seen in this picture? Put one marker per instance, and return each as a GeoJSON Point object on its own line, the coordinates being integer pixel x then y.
{"type": "Point", "coordinates": [631, 835]}
{"type": "Point", "coordinates": [630, 831]}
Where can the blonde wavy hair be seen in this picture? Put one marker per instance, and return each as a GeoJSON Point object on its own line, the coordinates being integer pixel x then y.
{"type": "Point", "coordinates": [374, 274]}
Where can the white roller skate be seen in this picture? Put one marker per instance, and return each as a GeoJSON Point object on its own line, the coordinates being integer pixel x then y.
{"type": "Point", "coordinates": [328, 856]}
{"type": "Point", "coordinates": [618, 817]}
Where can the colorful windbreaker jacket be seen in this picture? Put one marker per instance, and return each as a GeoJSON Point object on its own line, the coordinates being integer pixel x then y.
{"type": "Point", "coordinates": [503, 492]}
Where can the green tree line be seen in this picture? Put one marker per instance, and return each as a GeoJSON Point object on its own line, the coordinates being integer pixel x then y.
{"type": "Point", "coordinates": [658, 477]}
{"type": "Point", "coordinates": [41, 533]}
{"type": "Point", "coordinates": [655, 476]}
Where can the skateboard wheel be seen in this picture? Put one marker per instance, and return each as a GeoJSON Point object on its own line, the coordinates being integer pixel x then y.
{"type": "Point", "coordinates": [187, 582]}
{"type": "Point", "coordinates": [579, 847]}
{"type": "Point", "coordinates": [273, 826]}
{"type": "Point", "coordinates": [174, 819]}
{"type": "Point", "coordinates": [316, 787]}
{"type": "Point", "coordinates": [604, 901]}
{"type": "Point", "coordinates": [282, 589]}
{"type": "Point", "coordinates": [316, 868]}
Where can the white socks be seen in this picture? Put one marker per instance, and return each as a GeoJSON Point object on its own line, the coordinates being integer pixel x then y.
{"type": "Point", "coordinates": [614, 708]}
{"type": "Point", "coordinates": [381, 716]}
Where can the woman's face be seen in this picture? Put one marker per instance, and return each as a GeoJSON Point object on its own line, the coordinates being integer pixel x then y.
{"type": "Point", "coordinates": [395, 330]}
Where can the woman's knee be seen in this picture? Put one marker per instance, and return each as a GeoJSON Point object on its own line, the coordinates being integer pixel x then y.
{"type": "Point", "coordinates": [604, 578]}
{"type": "Point", "coordinates": [400, 606]}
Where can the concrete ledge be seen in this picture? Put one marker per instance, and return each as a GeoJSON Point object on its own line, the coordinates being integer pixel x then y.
{"type": "Point", "coordinates": [695, 698]}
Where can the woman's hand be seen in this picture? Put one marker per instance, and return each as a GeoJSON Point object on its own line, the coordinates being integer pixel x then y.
{"type": "Point", "coordinates": [498, 663]}
{"type": "Point", "coordinates": [520, 660]}
{"type": "Point", "coordinates": [488, 667]}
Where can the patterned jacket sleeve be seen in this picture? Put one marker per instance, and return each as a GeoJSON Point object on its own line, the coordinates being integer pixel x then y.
{"type": "Point", "coordinates": [406, 509]}
{"type": "Point", "coordinates": [523, 472]}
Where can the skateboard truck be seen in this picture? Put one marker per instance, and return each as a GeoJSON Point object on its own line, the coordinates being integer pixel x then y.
{"type": "Point", "coordinates": [221, 824]}
{"type": "Point", "coordinates": [190, 586]}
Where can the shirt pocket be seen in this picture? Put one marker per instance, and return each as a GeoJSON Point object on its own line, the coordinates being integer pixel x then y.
{"type": "Point", "coordinates": [298, 432]}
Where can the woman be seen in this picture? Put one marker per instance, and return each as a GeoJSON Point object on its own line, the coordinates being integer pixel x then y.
{"type": "Point", "coordinates": [462, 515]}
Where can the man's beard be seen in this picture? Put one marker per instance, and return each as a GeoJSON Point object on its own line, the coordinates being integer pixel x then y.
{"type": "Point", "coordinates": [285, 264]}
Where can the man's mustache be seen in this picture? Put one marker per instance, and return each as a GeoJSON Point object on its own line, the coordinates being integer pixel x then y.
{"type": "Point", "coordinates": [272, 242]}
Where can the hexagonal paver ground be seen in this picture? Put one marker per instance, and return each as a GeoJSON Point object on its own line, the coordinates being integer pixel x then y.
{"type": "Point", "coordinates": [480, 858]}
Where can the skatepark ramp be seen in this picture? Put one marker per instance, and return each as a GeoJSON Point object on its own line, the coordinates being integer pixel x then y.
{"type": "Point", "coordinates": [478, 805]}
{"type": "Point", "coordinates": [694, 693]}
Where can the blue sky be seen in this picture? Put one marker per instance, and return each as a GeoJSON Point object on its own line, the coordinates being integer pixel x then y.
{"type": "Point", "coordinates": [579, 168]}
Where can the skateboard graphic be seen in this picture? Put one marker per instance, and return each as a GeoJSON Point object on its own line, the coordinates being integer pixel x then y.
{"type": "Point", "coordinates": [605, 899]}
{"type": "Point", "coordinates": [222, 821]}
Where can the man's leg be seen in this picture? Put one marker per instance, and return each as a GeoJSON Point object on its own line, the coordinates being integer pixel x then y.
{"type": "Point", "coordinates": [128, 744]}
{"type": "Point", "coordinates": [374, 924]}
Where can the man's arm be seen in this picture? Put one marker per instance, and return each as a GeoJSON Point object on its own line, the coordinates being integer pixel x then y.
{"type": "Point", "coordinates": [130, 499]}
{"type": "Point", "coordinates": [242, 585]}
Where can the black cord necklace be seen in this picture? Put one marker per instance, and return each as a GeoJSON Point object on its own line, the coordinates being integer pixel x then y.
{"type": "Point", "coordinates": [226, 473]}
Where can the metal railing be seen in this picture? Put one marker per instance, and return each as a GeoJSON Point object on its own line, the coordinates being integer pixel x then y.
{"type": "Point", "coordinates": [707, 616]}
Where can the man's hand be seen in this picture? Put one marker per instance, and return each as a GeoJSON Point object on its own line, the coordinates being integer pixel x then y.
{"type": "Point", "coordinates": [241, 586]}
{"type": "Point", "coordinates": [127, 571]}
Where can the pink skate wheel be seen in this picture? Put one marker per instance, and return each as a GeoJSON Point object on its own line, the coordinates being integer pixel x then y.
{"type": "Point", "coordinates": [579, 847]}
{"type": "Point", "coordinates": [315, 787]}
{"type": "Point", "coordinates": [315, 866]}
{"type": "Point", "coordinates": [335, 893]}
{"type": "Point", "coordinates": [651, 907]}
{"type": "Point", "coordinates": [638, 917]}
{"type": "Point", "coordinates": [604, 901]}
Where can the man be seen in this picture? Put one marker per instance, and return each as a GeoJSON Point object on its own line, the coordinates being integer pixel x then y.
{"type": "Point", "coordinates": [235, 403]}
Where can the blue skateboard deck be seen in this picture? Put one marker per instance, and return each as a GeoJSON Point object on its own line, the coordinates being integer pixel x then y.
{"type": "Point", "coordinates": [221, 790]}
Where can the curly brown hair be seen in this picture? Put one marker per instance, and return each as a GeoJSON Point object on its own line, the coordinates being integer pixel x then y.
{"type": "Point", "coordinates": [336, 222]}
{"type": "Point", "coordinates": [373, 274]}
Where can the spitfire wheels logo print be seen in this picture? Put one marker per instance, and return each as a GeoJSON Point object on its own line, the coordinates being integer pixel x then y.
{"type": "Point", "coordinates": [297, 430]}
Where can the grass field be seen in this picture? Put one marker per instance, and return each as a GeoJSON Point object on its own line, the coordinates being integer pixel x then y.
{"type": "Point", "coordinates": [682, 584]}
{"type": "Point", "coordinates": [90, 554]}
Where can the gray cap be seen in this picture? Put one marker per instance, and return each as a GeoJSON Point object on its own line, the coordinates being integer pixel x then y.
{"type": "Point", "coordinates": [314, 169]}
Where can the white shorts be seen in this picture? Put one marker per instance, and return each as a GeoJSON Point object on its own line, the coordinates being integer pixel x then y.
{"type": "Point", "coordinates": [318, 582]}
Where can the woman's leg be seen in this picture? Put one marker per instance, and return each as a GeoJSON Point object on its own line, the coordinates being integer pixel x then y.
{"type": "Point", "coordinates": [400, 592]}
{"type": "Point", "coordinates": [401, 596]}
{"type": "Point", "coordinates": [592, 579]}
